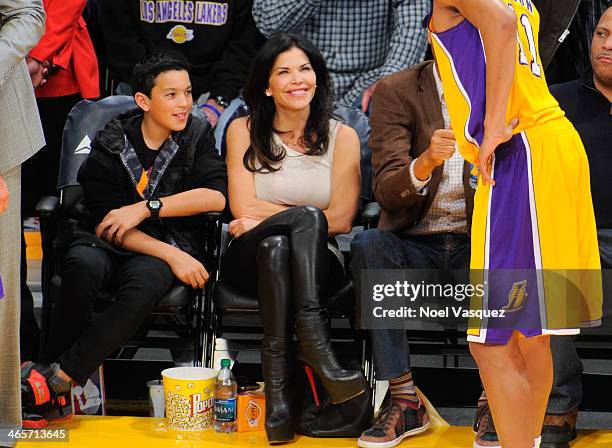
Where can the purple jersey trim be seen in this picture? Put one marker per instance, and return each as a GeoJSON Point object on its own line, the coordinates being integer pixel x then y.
{"type": "Point", "coordinates": [463, 46]}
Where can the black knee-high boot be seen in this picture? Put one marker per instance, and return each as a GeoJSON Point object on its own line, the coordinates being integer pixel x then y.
{"type": "Point", "coordinates": [273, 290]}
{"type": "Point", "coordinates": [309, 265]}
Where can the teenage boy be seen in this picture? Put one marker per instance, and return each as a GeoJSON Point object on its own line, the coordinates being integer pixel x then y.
{"type": "Point", "coordinates": [151, 171]}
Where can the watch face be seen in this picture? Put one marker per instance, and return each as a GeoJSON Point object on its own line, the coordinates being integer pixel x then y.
{"type": "Point", "coordinates": [154, 204]}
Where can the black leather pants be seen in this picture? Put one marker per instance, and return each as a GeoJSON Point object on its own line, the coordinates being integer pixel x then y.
{"type": "Point", "coordinates": [311, 263]}
{"type": "Point", "coordinates": [283, 257]}
{"type": "Point", "coordinates": [302, 285]}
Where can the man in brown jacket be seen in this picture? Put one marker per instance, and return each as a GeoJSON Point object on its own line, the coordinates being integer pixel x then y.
{"type": "Point", "coordinates": [423, 187]}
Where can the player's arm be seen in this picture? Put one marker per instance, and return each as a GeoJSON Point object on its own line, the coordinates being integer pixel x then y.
{"type": "Point", "coordinates": [497, 25]}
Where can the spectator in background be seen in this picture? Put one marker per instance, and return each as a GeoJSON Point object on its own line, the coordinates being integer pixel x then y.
{"type": "Point", "coordinates": [91, 14]}
{"type": "Point", "coordinates": [566, 31]}
{"type": "Point", "coordinates": [362, 42]}
{"type": "Point", "coordinates": [217, 39]}
{"type": "Point", "coordinates": [67, 53]}
{"type": "Point", "coordinates": [22, 23]}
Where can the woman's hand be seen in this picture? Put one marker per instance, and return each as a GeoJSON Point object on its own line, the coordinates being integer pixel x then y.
{"type": "Point", "coordinates": [240, 226]}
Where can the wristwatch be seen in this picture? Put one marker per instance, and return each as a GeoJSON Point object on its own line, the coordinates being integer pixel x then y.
{"type": "Point", "coordinates": [154, 206]}
{"type": "Point", "coordinates": [221, 101]}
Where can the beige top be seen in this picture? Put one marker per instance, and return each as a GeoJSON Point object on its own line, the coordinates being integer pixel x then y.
{"type": "Point", "coordinates": [302, 179]}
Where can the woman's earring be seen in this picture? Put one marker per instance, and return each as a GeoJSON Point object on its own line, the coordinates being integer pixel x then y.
{"type": "Point", "coordinates": [268, 93]}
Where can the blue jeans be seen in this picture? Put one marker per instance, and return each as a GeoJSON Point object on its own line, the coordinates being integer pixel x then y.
{"type": "Point", "coordinates": [379, 249]}
{"type": "Point", "coordinates": [566, 393]}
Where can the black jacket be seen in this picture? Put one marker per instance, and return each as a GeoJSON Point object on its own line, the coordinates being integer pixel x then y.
{"type": "Point", "coordinates": [589, 110]}
{"type": "Point", "coordinates": [555, 19]}
{"type": "Point", "coordinates": [109, 176]}
{"type": "Point", "coordinates": [218, 39]}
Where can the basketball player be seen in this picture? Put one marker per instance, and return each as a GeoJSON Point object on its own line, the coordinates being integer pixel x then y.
{"type": "Point", "coordinates": [532, 210]}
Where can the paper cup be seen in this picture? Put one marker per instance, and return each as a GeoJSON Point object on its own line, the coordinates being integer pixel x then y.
{"type": "Point", "coordinates": [189, 395]}
{"type": "Point", "coordinates": [156, 398]}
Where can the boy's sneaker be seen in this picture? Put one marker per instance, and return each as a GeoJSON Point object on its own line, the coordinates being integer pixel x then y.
{"type": "Point", "coordinates": [35, 390]}
{"type": "Point", "coordinates": [58, 408]}
{"type": "Point", "coordinates": [32, 420]}
{"type": "Point", "coordinates": [40, 402]}
{"type": "Point", "coordinates": [393, 425]}
{"type": "Point", "coordinates": [486, 436]}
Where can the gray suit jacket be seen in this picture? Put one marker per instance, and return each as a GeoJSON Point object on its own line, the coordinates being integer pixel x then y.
{"type": "Point", "coordinates": [22, 23]}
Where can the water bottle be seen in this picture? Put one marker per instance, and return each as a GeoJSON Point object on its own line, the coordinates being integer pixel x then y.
{"type": "Point", "coordinates": [226, 390]}
{"type": "Point", "coordinates": [473, 177]}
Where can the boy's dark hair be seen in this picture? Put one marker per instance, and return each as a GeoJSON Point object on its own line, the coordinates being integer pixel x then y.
{"type": "Point", "coordinates": [147, 70]}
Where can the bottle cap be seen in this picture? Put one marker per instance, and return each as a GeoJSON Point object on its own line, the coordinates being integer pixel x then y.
{"type": "Point", "coordinates": [226, 362]}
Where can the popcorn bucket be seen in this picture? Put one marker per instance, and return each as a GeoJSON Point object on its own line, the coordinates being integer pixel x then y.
{"type": "Point", "coordinates": [189, 393]}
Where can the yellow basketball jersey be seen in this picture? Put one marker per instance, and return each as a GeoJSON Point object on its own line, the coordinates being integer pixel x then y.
{"type": "Point", "coordinates": [461, 59]}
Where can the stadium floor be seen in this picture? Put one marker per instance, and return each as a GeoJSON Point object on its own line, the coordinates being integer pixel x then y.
{"type": "Point", "coordinates": [146, 432]}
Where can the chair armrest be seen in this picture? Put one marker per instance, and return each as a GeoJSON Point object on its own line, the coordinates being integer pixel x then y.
{"type": "Point", "coordinates": [371, 213]}
{"type": "Point", "coordinates": [47, 205]}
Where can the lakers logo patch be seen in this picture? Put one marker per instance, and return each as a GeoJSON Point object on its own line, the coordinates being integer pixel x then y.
{"type": "Point", "coordinates": [516, 297]}
{"type": "Point", "coordinates": [179, 34]}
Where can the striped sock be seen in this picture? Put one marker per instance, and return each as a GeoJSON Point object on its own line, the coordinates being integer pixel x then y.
{"type": "Point", "coordinates": [483, 398]}
{"type": "Point", "coordinates": [403, 390]}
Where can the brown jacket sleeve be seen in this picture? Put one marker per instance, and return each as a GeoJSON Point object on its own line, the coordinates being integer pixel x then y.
{"type": "Point", "coordinates": [391, 145]}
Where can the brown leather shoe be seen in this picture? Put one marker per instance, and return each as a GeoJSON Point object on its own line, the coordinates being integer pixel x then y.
{"type": "Point", "coordinates": [486, 435]}
{"type": "Point", "coordinates": [559, 430]}
{"type": "Point", "coordinates": [393, 425]}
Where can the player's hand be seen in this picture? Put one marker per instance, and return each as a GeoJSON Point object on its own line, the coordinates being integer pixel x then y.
{"type": "Point", "coordinates": [117, 222]}
{"type": "Point", "coordinates": [187, 269]}
{"type": "Point", "coordinates": [4, 196]}
{"type": "Point", "coordinates": [492, 139]}
{"type": "Point", "coordinates": [242, 225]}
{"type": "Point", "coordinates": [441, 147]}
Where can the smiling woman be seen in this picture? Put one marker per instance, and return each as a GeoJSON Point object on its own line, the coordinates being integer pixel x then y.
{"type": "Point", "coordinates": [294, 182]}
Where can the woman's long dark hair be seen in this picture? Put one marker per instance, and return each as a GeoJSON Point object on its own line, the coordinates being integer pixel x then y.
{"type": "Point", "coordinates": [262, 155]}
